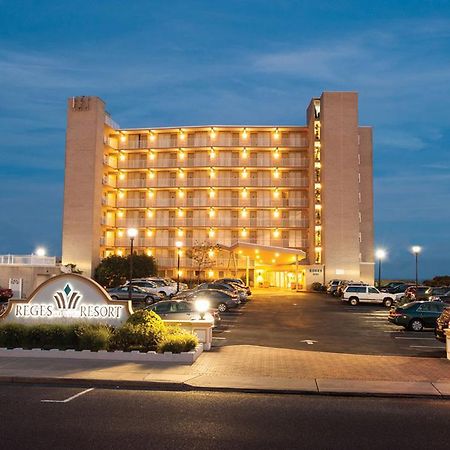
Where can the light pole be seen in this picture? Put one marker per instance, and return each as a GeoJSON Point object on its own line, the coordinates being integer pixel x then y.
{"type": "Point", "coordinates": [40, 251]}
{"type": "Point", "coordinates": [380, 255]}
{"type": "Point", "coordinates": [416, 250]}
{"type": "Point", "coordinates": [132, 233]}
{"type": "Point", "coordinates": [178, 245]}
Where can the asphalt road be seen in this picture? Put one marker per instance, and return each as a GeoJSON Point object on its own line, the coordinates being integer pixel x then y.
{"type": "Point", "coordinates": [286, 320]}
{"type": "Point", "coordinates": [109, 419]}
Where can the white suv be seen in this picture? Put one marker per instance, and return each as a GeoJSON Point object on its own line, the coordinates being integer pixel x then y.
{"type": "Point", "coordinates": [367, 294]}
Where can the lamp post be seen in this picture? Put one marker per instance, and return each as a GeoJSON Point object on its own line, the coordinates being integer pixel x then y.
{"type": "Point", "coordinates": [40, 251]}
{"type": "Point", "coordinates": [178, 245]}
{"type": "Point", "coordinates": [132, 233]}
{"type": "Point", "coordinates": [416, 250]}
{"type": "Point", "coordinates": [380, 255]}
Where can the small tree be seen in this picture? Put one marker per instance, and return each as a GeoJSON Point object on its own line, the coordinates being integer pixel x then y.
{"type": "Point", "coordinates": [203, 256]}
{"type": "Point", "coordinates": [440, 280]}
{"type": "Point", "coordinates": [114, 270]}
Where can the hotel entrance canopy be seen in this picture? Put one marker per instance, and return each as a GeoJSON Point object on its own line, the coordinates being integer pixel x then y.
{"type": "Point", "coordinates": [265, 254]}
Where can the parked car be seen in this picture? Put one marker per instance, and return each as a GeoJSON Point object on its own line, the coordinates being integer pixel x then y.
{"type": "Point", "coordinates": [417, 315]}
{"type": "Point", "coordinates": [241, 293]}
{"type": "Point", "coordinates": [333, 285]}
{"type": "Point", "coordinates": [138, 295]}
{"type": "Point", "coordinates": [235, 281]}
{"type": "Point", "coordinates": [367, 294]}
{"type": "Point", "coordinates": [392, 285]}
{"type": "Point", "coordinates": [398, 289]}
{"type": "Point", "coordinates": [416, 292]}
{"type": "Point", "coordinates": [220, 300]}
{"type": "Point", "coordinates": [343, 284]}
{"type": "Point", "coordinates": [182, 310]}
{"type": "Point", "coordinates": [169, 281]}
{"type": "Point", "coordinates": [435, 293]}
{"type": "Point", "coordinates": [442, 322]}
{"type": "Point", "coordinates": [5, 294]}
{"type": "Point", "coordinates": [158, 284]}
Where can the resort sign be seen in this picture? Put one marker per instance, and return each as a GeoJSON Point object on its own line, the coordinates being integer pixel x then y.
{"type": "Point", "coordinates": [68, 298]}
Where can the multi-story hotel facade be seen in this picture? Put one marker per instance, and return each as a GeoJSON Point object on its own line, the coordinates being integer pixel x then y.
{"type": "Point", "coordinates": [270, 203]}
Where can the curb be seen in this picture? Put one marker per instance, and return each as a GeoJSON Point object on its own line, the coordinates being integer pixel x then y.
{"type": "Point", "coordinates": [186, 387]}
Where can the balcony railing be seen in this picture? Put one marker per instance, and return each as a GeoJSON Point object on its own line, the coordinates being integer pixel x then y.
{"type": "Point", "coordinates": [27, 260]}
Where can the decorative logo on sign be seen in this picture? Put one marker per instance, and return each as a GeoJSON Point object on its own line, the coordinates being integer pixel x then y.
{"type": "Point", "coordinates": [67, 298]}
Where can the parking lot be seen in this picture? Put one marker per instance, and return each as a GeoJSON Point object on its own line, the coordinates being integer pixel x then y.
{"type": "Point", "coordinates": [318, 322]}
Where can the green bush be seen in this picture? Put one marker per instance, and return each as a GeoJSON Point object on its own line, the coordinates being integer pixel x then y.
{"type": "Point", "coordinates": [142, 331]}
{"type": "Point", "coordinates": [13, 335]}
{"type": "Point", "coordinates": [178, 342]}
{"type": "Point", "coordinates": [93, 337]}
{"type": "Point", "coordinates": [48, 336]}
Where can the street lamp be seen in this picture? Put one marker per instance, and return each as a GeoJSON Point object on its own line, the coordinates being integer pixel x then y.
{"type": "Point", "coordinates": [40, 251]}
{"type": "Point", "coordinates": [416, 250]}
{"type": "Point", "coordinates": [132, 233]}
{"type": "Point", "coordinates": [178, 245]}
{"type": "Point", "coordinates": [380, 255]}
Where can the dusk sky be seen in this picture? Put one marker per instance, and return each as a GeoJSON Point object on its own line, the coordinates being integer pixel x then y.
{"type": "Point", "coordinates": [162, 63]}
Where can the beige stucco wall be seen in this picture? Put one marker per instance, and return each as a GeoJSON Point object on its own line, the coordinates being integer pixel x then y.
{"type": "Point", "coordinates": [82, 186]}
{"type": "Point", "coordinates": [340, 185]}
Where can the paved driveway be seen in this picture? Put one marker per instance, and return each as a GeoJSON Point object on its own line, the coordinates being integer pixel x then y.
{"type": "Point", "coordinates": [286, 320]}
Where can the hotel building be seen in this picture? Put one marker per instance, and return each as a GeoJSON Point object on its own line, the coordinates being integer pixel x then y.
{"type": "Point", "coordinates": [270, 203]}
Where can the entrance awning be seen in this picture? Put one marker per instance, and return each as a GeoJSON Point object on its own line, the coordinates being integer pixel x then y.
{"type": "Point", "coordinates": [266, 254]}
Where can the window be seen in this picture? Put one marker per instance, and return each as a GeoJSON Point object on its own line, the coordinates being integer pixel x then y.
{"type": "Point", "coordinates": [183, 307]}
{"type": "Point", "coordinates": [356, 289]}
{"type": "Point", "coordinates": [162, 308]}
{"type": "Point", "coordinates": [373, 291]}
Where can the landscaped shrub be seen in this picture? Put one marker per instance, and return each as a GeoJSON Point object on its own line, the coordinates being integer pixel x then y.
{"type": "Point", "coordinates": [13, 335]}
{"type": "Point", "coordinates": [142, 331]}
{"type": "Point", "coordinates": [48, 336]}
{"type": "Point", "coordinates": [93, 337]}
{"type": "Point", "coordinates": [178, 342]}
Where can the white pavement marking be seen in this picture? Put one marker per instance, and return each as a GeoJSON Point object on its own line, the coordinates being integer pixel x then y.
{"type": "Point", "coordinates": [67, 400]}
{"type": "Point", "coordinates": [227, 331]}
{"type": "Point", "coordinates": [217, 338]}
{"type": "Point", "coordinates": [309, 342]}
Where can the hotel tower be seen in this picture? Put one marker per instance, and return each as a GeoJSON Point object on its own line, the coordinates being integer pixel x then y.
{"type": "Point", "coordinates": [270, 203]}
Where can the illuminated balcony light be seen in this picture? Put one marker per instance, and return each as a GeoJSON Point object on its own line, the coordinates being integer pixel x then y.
{"type": "Point", "coordinates": [276, 153]}
{"type": "Point", "coordinates": [123, 138]}
{"type": "Point", "coordinates": [149, 233]}
{"type": "Point", "coordinates": [121, 194]}
{"type": "Point", "coordinates": [120, 233]}
{"type": "Point", "coordinates": [318, 227]}
{"type": "Point", "coordinates": [244, 232]}
{"type": "Point", "coordinates": [152, 136]}
{"type": "Point", "coordinates": [276, 233]}
{"type": "Point", "coordinates": [276, 193]}
{"type": "Point", "coordinates": [212, 153]}
{"type": "Point", "coordinates": [244, 133]}
{"type": "Point", "coordinates": [244, 153]}
{"type": "Point", "coordinates": [318, 249]}
{"type": "Point", "coordinates": [212, 173]}
{"type": "Point", "coordinates": [151, 174]}
{"type": "Point", "coordinates": [181, 153]}
{"type": "Point", "coordinates": [152, 155]}
{"type": "Point", "coordinates": [244, 193]}
{"type": "Point", "coordinates": [182, 135]}
{"type": "Point", "coordinates": [211, 253]}
{"type": "Point", "coordinates": [120, 213]}
{"type": "Point", "coordinates": [317, 165]}
{"type": "Point", "coordinates": [211, 233]}
{"type": "Point", "coordinates": [318, 206]}
{"type": "Point", "coordinates": [244, 212]}
{"type": "Point", "coordinates": [149, 252]}
{"type": "Point", "coordinates": [276, 173]}
{"type": "Point", "coordinates": [317, 185]}
{"type": "Point", "coordinates": [211, 273]}
{"type": "Point", "coordinates": [122, 156]}
{"type": "Point", "coordinates": [211, 212]}
{"type": "Point", "coordinates": [180, 193]}
{"type": "Point", "coordinates": [121, 176]}
{"type": "Point", "coordinates": [150, 193]}
{"type": "Point", "coordinates": [180, 232]}
{"type": "Point", "coordinates": [180, 212]}
{"type": "Point", "coordinates": [212, 133]}
{"type": "Point", "coordinates": [212, 192]}
{"type": "Point", "coordinates": [181, 173]}
{"type": "Point", "coordinates": [276, 213]}
{"type": "Point", "coordinates": [119, 252]}
{"type": "Point", "coordinates": [149, 213]}
{"type": "Point", "coordinates": [244, 173]}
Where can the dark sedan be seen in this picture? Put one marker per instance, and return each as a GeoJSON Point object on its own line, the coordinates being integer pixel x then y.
{"type": "Point", "coordinates": [138, 295]}
{"type": "Point", "coordinates": [416, 316]}
{"type": "Point", "coordinates": [220, 300]}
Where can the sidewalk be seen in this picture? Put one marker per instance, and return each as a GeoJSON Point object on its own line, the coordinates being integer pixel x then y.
{"type": "Point", "coordinates": [249, 368]}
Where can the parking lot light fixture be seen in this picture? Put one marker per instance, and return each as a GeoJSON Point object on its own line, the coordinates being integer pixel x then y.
{"type": "Point", "coordinates": [416, 250]}
{"type": "Point", "coordinates": [380, 254]}
{"type": "Point", "coordinates": [178, 245]}
{"type": "Point", "coordinates": [132, 233]}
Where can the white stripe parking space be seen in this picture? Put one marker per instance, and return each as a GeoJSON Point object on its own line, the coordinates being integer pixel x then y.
{"type": "Point", "coordinates": [69, 399]}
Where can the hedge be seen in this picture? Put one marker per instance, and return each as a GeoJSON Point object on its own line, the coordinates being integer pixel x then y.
{"type": "Point", "coordinates": [144, 331]}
